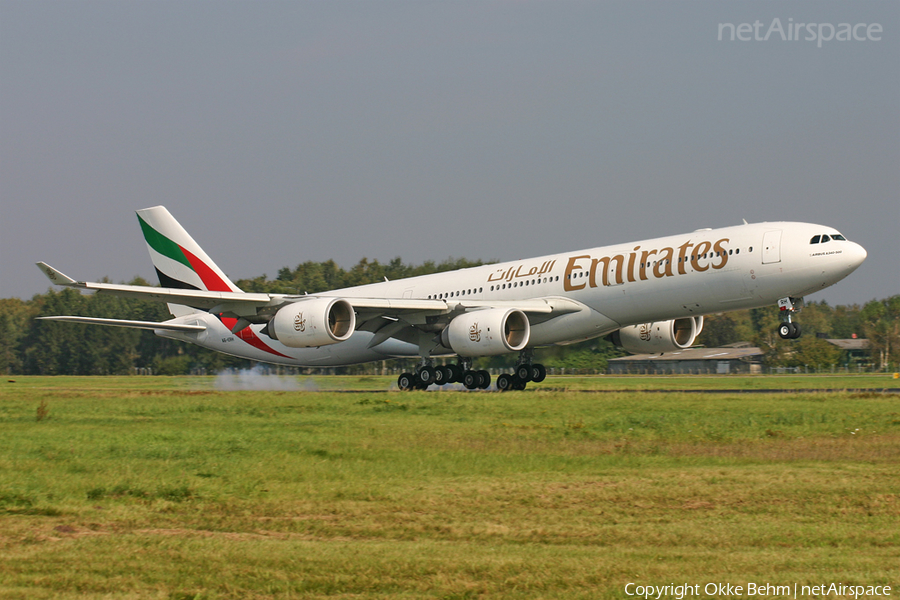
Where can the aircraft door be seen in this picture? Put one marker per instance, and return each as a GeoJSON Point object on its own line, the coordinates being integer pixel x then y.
{"type": "Point", "coordinates": [771, 247]}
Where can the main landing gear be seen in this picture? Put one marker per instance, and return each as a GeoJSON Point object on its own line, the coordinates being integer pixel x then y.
{"type": "Point", "coordinates": [788, 330]}
{"type": "Point", "coordinates": [427, 375]}
{"type": "Point", "coordinates": [525, 371]}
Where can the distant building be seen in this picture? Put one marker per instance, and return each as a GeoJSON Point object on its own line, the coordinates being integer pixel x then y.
{"type": "Point", "coordinates": [856, 350]}
{"type": "Point", "coordinates": [738, 358]}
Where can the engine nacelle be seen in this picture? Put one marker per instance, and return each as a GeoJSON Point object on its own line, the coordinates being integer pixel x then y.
{"type": "Point", "coordinates": [313, 322]}
{"type": "Point", "coordinates": [659, 337]}
{"type": "Point", "coordinates": [487, 332]}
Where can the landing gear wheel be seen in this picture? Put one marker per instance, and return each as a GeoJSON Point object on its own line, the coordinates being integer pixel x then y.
{"type": "Point", "coordinates": [456, 374]}
{"type": "Point", "coordinates": [442, 375]}
{"type": "Point", "coordinates": [406, 381]}
{"type": "Point", "coordinates": [518, 384]}
{"type": "Point", "coordinates": [427, 375]}
{"type": "Point", "coordinates": [485, 382]}
{"type": "Point", "coordinates": [471, 379]}
{"type": "Point", "coordinates": [538, 373]}
{"type": "Point", "coordinates": [523, 372]}
{"type": "Point", "coordinates": [504, 382]}
{"type": "Point", "coordinates": [789, 331]}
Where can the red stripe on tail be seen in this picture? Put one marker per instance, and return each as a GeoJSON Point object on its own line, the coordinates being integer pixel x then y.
{"type": "Point", "coordinates": [210, 279]}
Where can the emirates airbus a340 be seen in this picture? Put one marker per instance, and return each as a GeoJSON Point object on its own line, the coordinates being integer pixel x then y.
{"type": "Point", "coordinates": [649, 296]}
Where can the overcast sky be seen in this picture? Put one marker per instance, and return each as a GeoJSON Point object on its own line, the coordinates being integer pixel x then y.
{"type": "Point", "coordinates": [280, 132]}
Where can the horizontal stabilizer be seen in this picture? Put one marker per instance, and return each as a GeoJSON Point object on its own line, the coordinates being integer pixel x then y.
{"type": "Point", "coordinates": [127, 323]}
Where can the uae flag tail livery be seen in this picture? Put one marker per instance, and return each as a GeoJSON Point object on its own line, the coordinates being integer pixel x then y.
{"type": "Point", "coordinates": [179, 261]}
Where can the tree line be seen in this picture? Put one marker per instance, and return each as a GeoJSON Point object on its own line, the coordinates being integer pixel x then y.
{"type": "Point", "coordinates": [35, 347]}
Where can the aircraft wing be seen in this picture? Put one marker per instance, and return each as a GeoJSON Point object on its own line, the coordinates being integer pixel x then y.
{"type": "Point", "coordinates": [391, 305]}
{"type": "Point", "coordinates": [260, 307]}
{"type": "Point", "coordinates": [233, 304]}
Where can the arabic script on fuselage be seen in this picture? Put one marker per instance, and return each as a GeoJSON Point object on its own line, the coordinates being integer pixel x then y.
{"type": "Point", "coordinates": [515, 272]}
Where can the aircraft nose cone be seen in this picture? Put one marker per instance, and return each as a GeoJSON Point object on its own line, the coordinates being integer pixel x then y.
{"type": "Point", "coordinates": [857, 255]}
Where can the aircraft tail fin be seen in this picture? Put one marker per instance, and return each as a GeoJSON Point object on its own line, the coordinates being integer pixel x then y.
{"type": "Point", "coordinates": [179, 261]}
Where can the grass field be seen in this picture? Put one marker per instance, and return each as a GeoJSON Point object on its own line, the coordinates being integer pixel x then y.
{"type": "Point", "coordinates": [172, 488]}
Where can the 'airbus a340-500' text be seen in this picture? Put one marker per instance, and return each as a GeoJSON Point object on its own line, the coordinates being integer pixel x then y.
{"type": "Point", "coordinates": [647, 296]}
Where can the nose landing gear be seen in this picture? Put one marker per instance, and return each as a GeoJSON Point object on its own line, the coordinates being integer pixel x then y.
{"type": "Point", "coordinates": [788, 330]}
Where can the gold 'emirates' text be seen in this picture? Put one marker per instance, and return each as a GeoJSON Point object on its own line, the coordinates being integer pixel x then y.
{"type": "Point", "coordinates": [643, 264]}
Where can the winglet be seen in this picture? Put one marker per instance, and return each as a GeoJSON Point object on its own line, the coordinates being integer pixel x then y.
{"type": "Point", "coordinates": [57, 277]}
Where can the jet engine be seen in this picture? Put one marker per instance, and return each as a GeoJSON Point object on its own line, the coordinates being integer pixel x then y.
{"type": "Point", "coordinates": [311, 323]}
{"type": "Point", "coordinates": [659, 337]}
{"type": "Point", "coordinates": [487, 332]}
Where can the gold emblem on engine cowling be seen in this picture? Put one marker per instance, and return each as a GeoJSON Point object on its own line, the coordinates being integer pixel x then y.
{"type": "Point", "coordinates": [299, 322]}
{"type": "Point", "coordinates": [646, 330]}
{"type": "Point", "coordinates": [474, 333]}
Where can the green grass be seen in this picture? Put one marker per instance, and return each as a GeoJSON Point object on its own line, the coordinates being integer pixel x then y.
{"type": "Point", "coordinates": [553, 382]}
{"type": "Point", "coordinates": [151, 487]}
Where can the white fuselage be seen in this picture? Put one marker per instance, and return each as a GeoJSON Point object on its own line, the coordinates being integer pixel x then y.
{"type": "Point", "coordinates": [707, 271]}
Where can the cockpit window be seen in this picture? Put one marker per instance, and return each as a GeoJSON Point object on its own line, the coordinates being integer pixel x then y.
{"type": "Point", "coordinates": [821, 239]}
